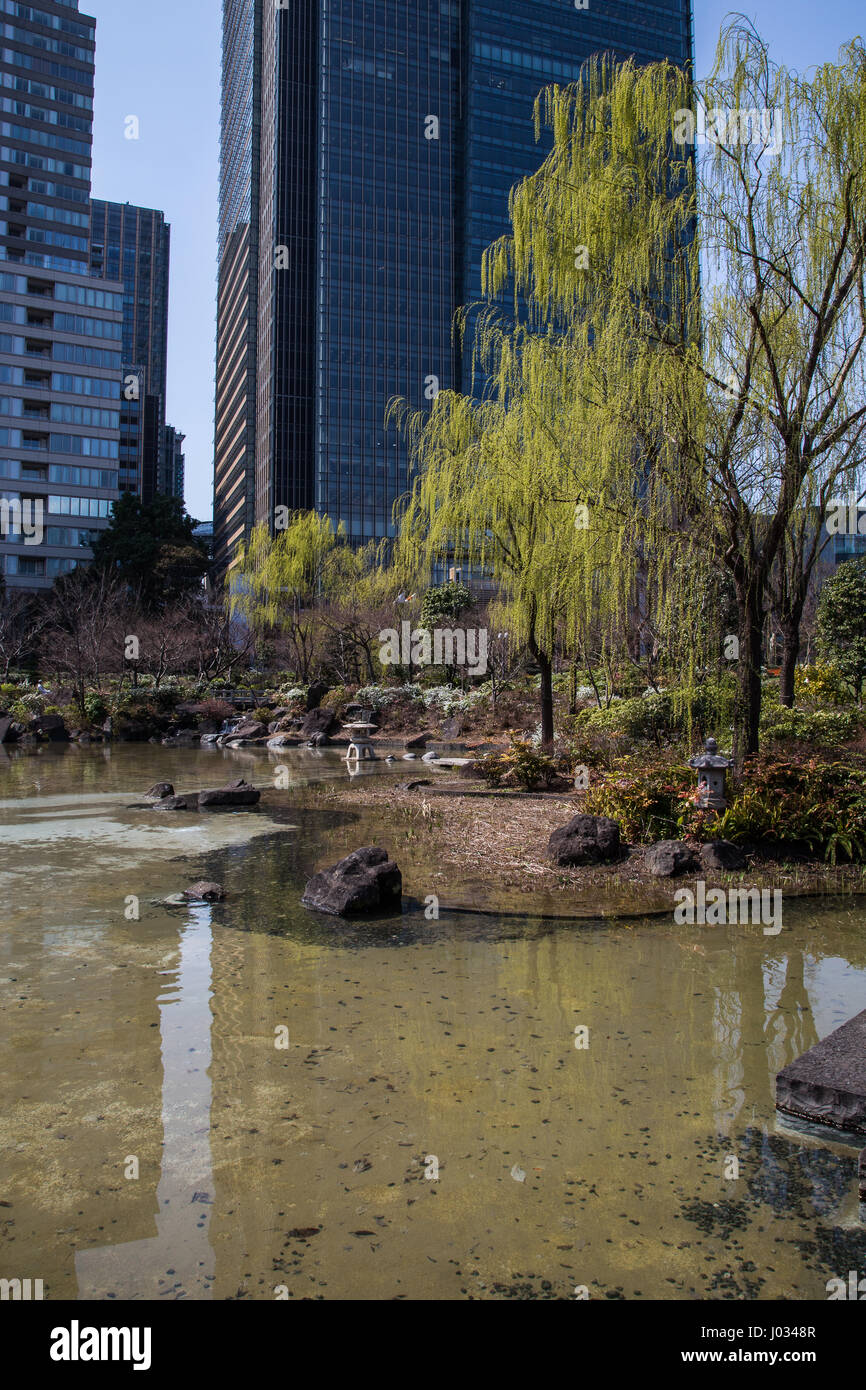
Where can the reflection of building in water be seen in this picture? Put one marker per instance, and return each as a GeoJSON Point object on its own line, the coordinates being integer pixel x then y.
{"type": "Point", "coordinates": [177, 1260]}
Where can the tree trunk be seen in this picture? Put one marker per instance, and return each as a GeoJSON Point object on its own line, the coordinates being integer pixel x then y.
{"type": "Point", "coordinates": [546, 664]}
{"type": "Point", "coordinates": [791, 633]}
{"type": "Point", "coordinates": [747, 709]}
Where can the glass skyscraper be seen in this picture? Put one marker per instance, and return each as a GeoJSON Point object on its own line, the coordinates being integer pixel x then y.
{"type": "Point", "coordinates": [60, 329]}
{"type": "Point", "coordinates": [132, 244]}
{"type": "Point", "coordinates": [368, 150]}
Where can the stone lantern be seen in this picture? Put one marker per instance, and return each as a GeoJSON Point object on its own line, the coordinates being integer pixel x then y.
{"type": "Point", "coordinates": [711, 766]}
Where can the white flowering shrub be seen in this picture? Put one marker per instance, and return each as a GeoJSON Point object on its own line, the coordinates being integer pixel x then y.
{"type": "Point", "coordinates": [379, 696]}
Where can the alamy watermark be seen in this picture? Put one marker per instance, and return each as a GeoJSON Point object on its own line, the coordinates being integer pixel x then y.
{"type": "Point", "coordinates": [716, 907]}
{"type": "Point", "coordinates": [25, 519]}
{"type": "Point", "coordinates": [846, 518]}
{"type": "Point", "coordinates": [729, 126]}
{"type": "Point", "coordinates": [446, 646]}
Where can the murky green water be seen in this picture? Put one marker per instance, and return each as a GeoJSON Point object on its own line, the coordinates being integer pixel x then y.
{"type": "Point", "coordinates": [156, 1142]}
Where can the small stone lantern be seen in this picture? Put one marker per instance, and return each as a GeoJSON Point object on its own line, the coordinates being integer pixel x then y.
{"type": "Point", "coordinates": [711, 766]}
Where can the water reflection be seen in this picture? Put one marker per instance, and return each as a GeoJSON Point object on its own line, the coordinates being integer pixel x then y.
{"type": "Point", "coordinates": [305, 1166]}
{"type": "Point", "coordinates": [179, 1261]}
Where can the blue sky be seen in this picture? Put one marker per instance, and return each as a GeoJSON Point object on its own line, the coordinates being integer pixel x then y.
{"type": "Point", "coordinates": [161, 62]}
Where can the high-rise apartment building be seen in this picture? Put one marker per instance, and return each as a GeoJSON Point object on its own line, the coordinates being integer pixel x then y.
{"type": "Point", "coordinates": [132, 244]}
{"type": "Point", "coordinates": [368, 147]}
{"type": "Point", "coordinates": [60, 330]}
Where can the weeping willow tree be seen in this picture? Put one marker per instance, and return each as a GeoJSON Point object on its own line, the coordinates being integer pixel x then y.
{"type": "Point", "coordinates": [285, 583]}
{"type": "Point", "coordinates": [747, 394]}
{"type": "Point", "coordinates": [518, 483]}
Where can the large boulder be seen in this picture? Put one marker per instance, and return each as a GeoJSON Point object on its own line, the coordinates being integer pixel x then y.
{"type": "Point", "coordinates": [365, 881]}
{"type": "Point", "coordinates": [132, 731]}
{"type": "Point", "coordinates": [159, 791]}
{"type": "Point", "coordinates": [454, 727]}
{"type": "Point", "coordinates": [318, 721]}
{"type": "Point", "coordinates": [50, 727]}
{"type": "Point", "coordinates": [283, 741]}
{"type": "Point", "coordinates": [316, 694]}
{"type": "Point", "coordinates": [249, 728]}
{"type": "Point", "coordinates": [286, 724]}
{"type": "Point", "coordinates": [669, 858]}
{"type": "Point", "coordinates": [722, 856]}
{"type": "Point", "coordinates": [238, 793]}
{"type": "Point", "coordinates": [7, 729]}
{"type": "Point", "coordinates": [585, 840]}
{"type": "Point", "coordinates": [205, 892]}
{"type": "Point", "coordinates": [417, 741]}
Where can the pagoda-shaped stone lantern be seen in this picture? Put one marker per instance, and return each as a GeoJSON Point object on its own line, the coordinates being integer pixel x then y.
{"type": "Point", "coordinates": [711, 766]}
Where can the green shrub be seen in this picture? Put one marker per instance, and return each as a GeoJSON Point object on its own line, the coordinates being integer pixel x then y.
{"type": "Point", "coordinates": [821, 726]}
{"type": "Point", "coordinates": [642, 717]}
{"type": "Point", "coordinates": [811, 803]}
{"type": "Point", "coordinates": [492, 768]}
{"type": "Point", "coordinates": [95, 707]}
{"type": "Point", "coordinates": [337, 698]}
{"type": "Point", "coordinates": [820, 684]}
{"type": "Point", "coordinates": [263, 716]}
{"type": "Point", "coordinates": [650, 802]}
{"type": "Point", "coordinates": [522, 764]}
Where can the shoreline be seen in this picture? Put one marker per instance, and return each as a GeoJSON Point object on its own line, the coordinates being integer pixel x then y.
{"type": "Point", "coordinates": [498, 845]}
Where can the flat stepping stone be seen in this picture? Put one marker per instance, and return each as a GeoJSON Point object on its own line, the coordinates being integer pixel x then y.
{"type": "Point", "coordinates": [827, 1085]}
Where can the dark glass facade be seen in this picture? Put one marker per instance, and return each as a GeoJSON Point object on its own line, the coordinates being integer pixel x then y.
{"type": "Point", "coordinates": [133, 244]}
{"type": "Point", "coordinates": [389, 134]}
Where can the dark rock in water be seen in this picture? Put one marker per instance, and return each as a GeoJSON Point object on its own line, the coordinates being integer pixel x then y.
{"type": "Point", "coordinates": [249, 728]}
{"type": "Point", "coordinates": [283, 740]}
{"type": "Point", "coordinates": [206, 892]}
{"type": "Point", "coordinates": [721, 855]}
{"type": "Point", "coordinates": [7, 729]}
{"type": "Point", "coordinates": [51, 727]}
{"type": "Point", "coordinates": [238, 793]}
{"type": "Point", "coordinates": [669, 858]}
{"type": "Point", "coordinates": [365, 881]}
{"type": "Point", "coordinates": [132, 732]}
{"type": "Point", "coordinates": [417, 742]}
{"type": "Point", "coordinates": [585, 840]}
{"type": "Point", "coordinates": [827, 1085]}
{"type": "Point", "coordinates": [183, 738]}
{"type": "Point", "coordinates": [318, 721]}
{"type": "Point", "coordinates": [862, 1175]}
{"type": "Point", "coordinates": [159, 791]}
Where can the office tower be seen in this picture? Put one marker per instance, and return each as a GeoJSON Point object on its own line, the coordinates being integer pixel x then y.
{"type": "Point", "coordinates": [60, 344]}
{"type": "Point", "coordinates": [132, 244]}
{"type": "Point", "coordinates": [171, 477]}
{"type": "Point", "coordinates": [237, 288]}
{"type": "Point", "coordinates": [368, 150]}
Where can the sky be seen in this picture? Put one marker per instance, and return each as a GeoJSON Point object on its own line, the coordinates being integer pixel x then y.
{"type": "Point", "coordinates": [161, 62]}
